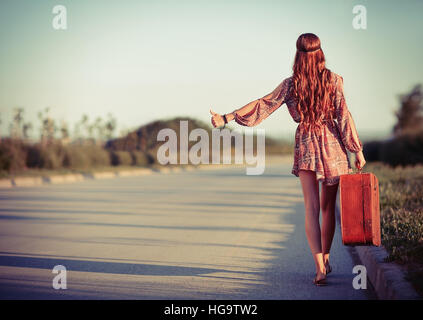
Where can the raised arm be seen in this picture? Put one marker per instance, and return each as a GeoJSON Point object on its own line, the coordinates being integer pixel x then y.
{"type": "Point", "coordinates": [256, 111]}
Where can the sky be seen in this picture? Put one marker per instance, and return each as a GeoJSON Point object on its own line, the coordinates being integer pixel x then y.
{"type": "Point", "coordinates": [148, 60]}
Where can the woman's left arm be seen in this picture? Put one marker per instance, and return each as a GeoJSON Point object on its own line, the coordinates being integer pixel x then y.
{"type": "Point", "coordinates": [345, 121]}
{"type": "Point", "coordinates": [256, 111]}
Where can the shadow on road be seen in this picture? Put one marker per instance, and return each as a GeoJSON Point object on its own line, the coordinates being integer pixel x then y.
{"type": "Point", "coordinates": [103, 266]}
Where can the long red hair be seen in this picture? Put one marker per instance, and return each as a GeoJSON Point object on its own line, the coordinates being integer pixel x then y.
{"type": "Point", "coordinates": [312, 82]}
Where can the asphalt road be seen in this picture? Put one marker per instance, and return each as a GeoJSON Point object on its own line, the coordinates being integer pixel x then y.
{"type": "Point", "coordinates": [203, 234]}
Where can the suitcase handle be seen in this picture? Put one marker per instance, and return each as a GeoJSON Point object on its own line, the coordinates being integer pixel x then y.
{"type": "Point", "coordinates": [357, 171]}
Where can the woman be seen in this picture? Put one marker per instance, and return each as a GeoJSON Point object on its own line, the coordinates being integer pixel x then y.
{"type": "Point", "coordinates": [314, 97]}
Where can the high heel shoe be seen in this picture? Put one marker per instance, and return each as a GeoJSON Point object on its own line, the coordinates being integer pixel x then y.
{"type": "Point", "coordinates": [320, 282]}
{"type": "Point", "coordinates": [328, 269]}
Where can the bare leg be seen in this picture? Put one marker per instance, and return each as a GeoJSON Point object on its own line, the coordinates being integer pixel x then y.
{"type": "Point", "coordinates": [327, 203]}
{"type": "Point", "coordinates": [310, 188]}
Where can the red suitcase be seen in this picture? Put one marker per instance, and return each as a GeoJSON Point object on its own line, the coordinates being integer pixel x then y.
{"type": "Point", "coordinates": [360, 211]}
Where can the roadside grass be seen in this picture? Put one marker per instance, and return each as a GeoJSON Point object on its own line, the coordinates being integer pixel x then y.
{"type": "Point", "coordinates": [401, 204]}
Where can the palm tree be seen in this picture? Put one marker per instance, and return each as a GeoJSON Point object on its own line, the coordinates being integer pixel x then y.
{"type": "Point", "coordinates": [26, 127]}
{"type": "Point", "coordinates": [16, 125]}
{"type": "Point", "coordinates": [64, 132]}
{"type": "Point", "coordinates": [98, 126]}
{"type": "Point", "coordinates": [48, 127]}
{"type": "Point", "coordinates": [110, 126]}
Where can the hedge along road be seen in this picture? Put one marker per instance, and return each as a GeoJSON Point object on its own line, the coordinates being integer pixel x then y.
{"type": "Point", "coordinates": [203, 234]}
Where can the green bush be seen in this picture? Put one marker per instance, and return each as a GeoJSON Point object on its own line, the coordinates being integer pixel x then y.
{"type": "Point", "coordinates": [403, 150]}
{"type": "Point", "coordinates": [120, 158]}
{"type": "Point", "coordinates": [97, 156]}
{"type": "Point", "coordinates": [85, 157]}
{"type": "Point", "coordinates": [75, 157]}
{"type": "Point", "coordinates": [371, 150]}
{"type": "Point", "coordinates": [140, 158]}
{"type": "Point", "coordinates": [12, 155]}
{"type": "Point", "coordinates": [45, 157]}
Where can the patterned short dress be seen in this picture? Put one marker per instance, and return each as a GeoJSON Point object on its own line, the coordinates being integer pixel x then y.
{"type": "Point", "coordinates": [324, 152]}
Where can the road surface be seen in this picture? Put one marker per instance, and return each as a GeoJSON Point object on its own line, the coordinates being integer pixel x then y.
{"type": "Point", "coordinates": [203, 234]}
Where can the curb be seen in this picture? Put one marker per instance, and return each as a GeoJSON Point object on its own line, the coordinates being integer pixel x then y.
{"type": "Point", "coordinates": [70, 177]}
{"type": "Point", "coordinates": [387, 278]}
{"type": "Point", "coordinates": [6, 183]}
{"type": "Point", "coordinates": [64, 178]}
{"type": "Point", "coordinates": [27, 181]}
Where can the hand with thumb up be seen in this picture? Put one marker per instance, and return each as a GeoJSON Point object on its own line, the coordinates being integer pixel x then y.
{"type": "Point", "coordinates": [216, 119]}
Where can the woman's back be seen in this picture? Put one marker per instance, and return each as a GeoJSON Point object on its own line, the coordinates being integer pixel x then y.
{"type": "Point", "coordinates": [323, 150]}
{"type": "Point", "coordinates": [292, 101]}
